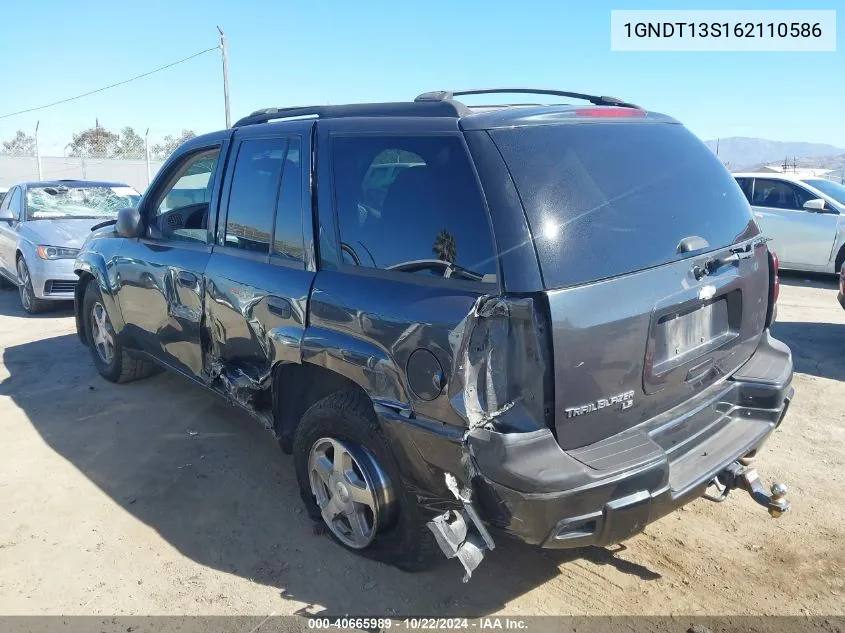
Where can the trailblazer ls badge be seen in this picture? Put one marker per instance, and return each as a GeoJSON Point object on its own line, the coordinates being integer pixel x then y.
{"type": "Point", "coordinates": [626, 400]}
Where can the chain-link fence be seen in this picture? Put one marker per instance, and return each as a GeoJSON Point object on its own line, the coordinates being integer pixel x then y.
{"type": "Point", "coordinates": [123, 155]}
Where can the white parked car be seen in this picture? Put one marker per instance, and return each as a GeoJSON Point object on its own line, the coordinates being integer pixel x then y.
{"type": "Point", "coordinates": [804, 217]}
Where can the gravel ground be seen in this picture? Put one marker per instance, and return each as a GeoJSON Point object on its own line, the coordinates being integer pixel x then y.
{"type": "Point", "coordinates": [157, 498]}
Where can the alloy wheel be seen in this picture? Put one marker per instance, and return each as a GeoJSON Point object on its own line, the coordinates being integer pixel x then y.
{"type": "Point", "coordinates": [24, 285]}
{"type": "Point", "coordinates": [102, 333]}
{"type": "Point", "coordinates": [353, 493]}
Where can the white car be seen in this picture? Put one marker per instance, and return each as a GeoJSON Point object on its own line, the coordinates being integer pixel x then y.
{"type": "Point", "coordinates": [803, 216]}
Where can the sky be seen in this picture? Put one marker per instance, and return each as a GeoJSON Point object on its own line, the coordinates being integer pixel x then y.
{"type": "Point", "coordinates": [288, 52]}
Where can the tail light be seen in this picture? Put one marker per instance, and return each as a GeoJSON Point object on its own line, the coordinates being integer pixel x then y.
{"type": "Point", "coordinates": [774, 287]}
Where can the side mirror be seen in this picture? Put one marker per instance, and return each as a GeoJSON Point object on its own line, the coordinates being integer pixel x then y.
{"type": "Point", "coordinates": [128, 223]}
{"type": "Point", "coordinates": [816, 205]}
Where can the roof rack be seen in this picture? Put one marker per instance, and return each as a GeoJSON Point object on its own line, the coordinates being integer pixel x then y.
{"type": "Point", "coordinates": [401, 108]}
{"type": "Point", "coordinates": [449, 95]}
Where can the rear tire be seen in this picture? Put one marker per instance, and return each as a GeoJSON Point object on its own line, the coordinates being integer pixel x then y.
{"type": "Point", "coordinates": [347, 418]}
{"type": "Point", "coordinates": [110, 358]}
{"type": "Point", "coordinates": [31, 304]}
{"type": "Point", "coordinates": [840, 259]}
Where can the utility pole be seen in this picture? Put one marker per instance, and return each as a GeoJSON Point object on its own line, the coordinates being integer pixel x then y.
{"type": "Point", "coordinates": [225, 75]}
{"type": "Point", "coordinates": [147, 155]}
{"type": "Point", "coordinates": [37, 153]}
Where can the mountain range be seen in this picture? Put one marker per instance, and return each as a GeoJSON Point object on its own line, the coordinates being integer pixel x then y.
{"type": "Point", "coordinates": [739, 152]}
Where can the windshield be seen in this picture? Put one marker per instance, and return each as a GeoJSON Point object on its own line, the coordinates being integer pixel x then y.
{"type": "Point", "coordinates": [605, 199]}
{"type": "Point", "coordinates": [78, 202]}
{"type": "Point", "coordinates": [830, 188]}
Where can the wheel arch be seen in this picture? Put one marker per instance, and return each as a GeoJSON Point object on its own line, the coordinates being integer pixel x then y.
{"type": "Point", "coordinates": [840, 258]}
{"type": "Point", "coordinates": [297, 387]}
{"type": "Point", "coordinates": [91, 267]}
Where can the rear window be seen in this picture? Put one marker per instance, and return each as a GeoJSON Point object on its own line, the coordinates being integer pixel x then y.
{"type": "Point", "coordinates": [604, 199]}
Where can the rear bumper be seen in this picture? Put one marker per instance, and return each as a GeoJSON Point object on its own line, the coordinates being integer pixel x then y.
{"type": "Point", "coordinates": [604, 493]}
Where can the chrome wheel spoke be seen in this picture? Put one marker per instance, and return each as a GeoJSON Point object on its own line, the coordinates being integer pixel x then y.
{"type": "Point", "coordinates": [101, 333]}
{"type": "Point", "coordinates": [362, 531]}
{"type": "Point", "coordinates": [323, 468]}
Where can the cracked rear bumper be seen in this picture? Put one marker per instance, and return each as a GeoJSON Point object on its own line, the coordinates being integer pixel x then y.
{"type": "Point", "coordinates": [609, 491]}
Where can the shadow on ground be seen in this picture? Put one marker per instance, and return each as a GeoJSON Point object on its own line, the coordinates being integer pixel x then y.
{"type": "Point", "coordinates": [11, 305]}
{"type": "Point", "coordinates": [808, 280]}
{"type": "Point", "coordinates": [817, 348]}
{"type": "Point", "coordinates": [217, 488]}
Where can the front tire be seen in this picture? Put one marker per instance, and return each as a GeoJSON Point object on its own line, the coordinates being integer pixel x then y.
{"type": "Point", "coordinates": [110, 358]}
{"type": "Point", "coordinates": [349, 480]}
{"type": "Point", "coordinates": [31, 304]}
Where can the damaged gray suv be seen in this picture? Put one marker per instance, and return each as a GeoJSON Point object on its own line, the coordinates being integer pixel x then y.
{"type": "Point", "coordinates": [549, 322]}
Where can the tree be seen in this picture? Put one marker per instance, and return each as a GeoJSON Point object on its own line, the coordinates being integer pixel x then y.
{"type": "Point", "coordinates": [169, 143]}
{"type": "Point", "coordinates": [94, 142]}
{"type": "Point", "coordinates": [445, 247]}
{"type": "Point", "coordinates": [19, 145]}
{"type": "Point", "coordinates": [129, 144]}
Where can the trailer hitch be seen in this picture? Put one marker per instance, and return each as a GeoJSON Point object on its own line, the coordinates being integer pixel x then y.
{"type": "Point", "coordinates": [741, 474]}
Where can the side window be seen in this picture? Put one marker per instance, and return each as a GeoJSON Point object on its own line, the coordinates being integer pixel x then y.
{"type": "Point", "coordinates": [181, 210]}
{"type": "Point", "coordinates": [775, 194]}
{"type": "Point", "coordinates": [16, 204]}
{"type": "Point", "coordinates": [745, 185]}
{"type": "Point", "coordinates": [253, 197]}
{"type": "Point", "coordinates": [801, 195]}
{"type": "Point", "coordinates": [411, 204]}
{"type": "Point", "coordinates": [287, 236]}
{"type": "Point", "coordinates": [6, 199]}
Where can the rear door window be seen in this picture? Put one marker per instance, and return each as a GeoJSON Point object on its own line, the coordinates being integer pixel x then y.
{"type": "Point", "coordinates": [253, 197]}
{"type": "Point", "coordinates": [779, 194]}
{"type": "Point", "coordinates": [745, 185]}
{"type": "Point", "coordinates": [605, 199]}
{"type": "Point", "coordinates": [411, 204]}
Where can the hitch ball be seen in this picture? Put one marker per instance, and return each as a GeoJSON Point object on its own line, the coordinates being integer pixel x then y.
{"type": "Point", "coordinates": [778, 503]}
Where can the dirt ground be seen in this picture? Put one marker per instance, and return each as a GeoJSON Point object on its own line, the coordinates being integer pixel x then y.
{"type": "Point", "coordinates": [157, 498]}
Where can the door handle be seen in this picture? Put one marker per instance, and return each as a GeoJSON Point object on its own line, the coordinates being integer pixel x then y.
{"type": "Point", "coordinates": [279, 306]}
{"type": "Point", "coordinates": [189, 280]}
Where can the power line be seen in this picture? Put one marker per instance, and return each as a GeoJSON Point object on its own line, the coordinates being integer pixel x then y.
{"type": "Point", "coordinates": [119, 83]}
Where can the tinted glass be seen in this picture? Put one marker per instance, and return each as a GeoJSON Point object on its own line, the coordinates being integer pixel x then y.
{"type": "Point", "coordinates": [777, 194]}
{"type": "Point", "coordinates": [16, 203]}
{"type": "Point", "coordinates": [604, 199]}
{"type": "Point", "coordinates": [833, 189]}
{"type": "Point", "coordinates": [181, 211]}
{"type": "Point", "coordinates": [255, 187]}
{"type": "Point", "coordinates": [63, 201]}
{"type": "Point", "coordinates": [411, 204]}
{"type": "Point", "coordinates": [745, 185]}
{"type": "Point", "coordinates": [287, 239]}
{"type": "Point", "coordinates": [193, 182]}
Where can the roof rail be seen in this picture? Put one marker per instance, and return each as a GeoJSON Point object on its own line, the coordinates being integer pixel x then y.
{"type": "Point", "coordinates": [404, 108]}
{"type": "Point", "coordinates": [449, 95]}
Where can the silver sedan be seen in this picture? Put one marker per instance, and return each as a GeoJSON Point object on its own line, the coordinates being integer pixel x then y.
{"type": "Point", "coordinates": [803, 216]}
{"type": "Point", "coordinates": [42, 227]}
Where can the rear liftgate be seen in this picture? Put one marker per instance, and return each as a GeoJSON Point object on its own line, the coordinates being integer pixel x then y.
{"type": "Point", "coordinates": [500, 383]}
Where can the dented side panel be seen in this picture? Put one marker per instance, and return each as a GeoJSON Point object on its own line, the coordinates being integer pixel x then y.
{"type": "Point", "coordinates": [249, 327]}
{"type": "Point", "coordinates": [160, 290]}
{"type": "Point", "coordinates": [395, 338]}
